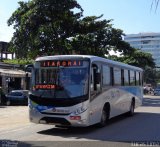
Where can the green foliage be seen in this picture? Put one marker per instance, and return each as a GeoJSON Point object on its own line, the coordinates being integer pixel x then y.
{"type": "Point", "coordinates": [136, 58]}
{"type": "Point", "coordinates": [157, 76]}
{"type": "Point", "coordinates": [21, 62]}
{"type": "Point", "coordinates": [149, 76]}
{"type": "Point", "coordinates": [43, 26]}
{"type": "Point", "coordinates": [98, 37]}
{"type": "Point", "coordinates": [92, 38]}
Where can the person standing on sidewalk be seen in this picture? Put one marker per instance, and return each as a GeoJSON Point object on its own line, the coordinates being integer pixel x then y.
{"type": "Point", "coordinates": [2, 97]}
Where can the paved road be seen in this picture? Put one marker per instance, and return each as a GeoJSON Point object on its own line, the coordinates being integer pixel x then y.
{"type": "Point", "coordinates": [142, 128]}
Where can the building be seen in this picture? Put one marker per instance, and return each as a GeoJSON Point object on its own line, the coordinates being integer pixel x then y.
{"type": "Point", "coordinates": [147, 42]}
{"type": "Point", "coordinates": [4, 52]}
{"type": "Point", "coordinates": [12, 77]}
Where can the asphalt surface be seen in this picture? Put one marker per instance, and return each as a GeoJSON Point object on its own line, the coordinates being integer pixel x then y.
{"type": "Point", "coordinates": [142, 129]}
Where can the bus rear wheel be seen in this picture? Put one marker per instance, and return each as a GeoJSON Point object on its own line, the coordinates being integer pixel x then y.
{"type": "Point", "coordinates": [132, 107]}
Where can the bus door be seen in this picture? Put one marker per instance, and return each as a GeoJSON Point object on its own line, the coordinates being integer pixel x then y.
{"type": "Point", "coordinates": [95, 91]}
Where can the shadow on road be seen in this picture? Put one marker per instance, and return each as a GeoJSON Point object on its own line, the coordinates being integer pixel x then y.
{"type": "Point", "coordinates": [140, 127]}
{"type": "Point", "coordinates": [2, 106]}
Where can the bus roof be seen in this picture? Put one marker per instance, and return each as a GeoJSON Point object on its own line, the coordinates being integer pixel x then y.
{"type": "Point", "coordinates": [91, 57]}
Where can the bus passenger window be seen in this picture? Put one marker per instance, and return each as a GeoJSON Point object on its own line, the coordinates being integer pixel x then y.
{"type": "Point", "coordinates": [122, 77]}
{"type": "Point", "coordinates": [140, 79]}
{"type": "Point", "coordinates": [96, 77]}
{"type": "Point", "coordinates": [126, 77]}
{"type": "Point", "coordinates": [132, 78]}
{"type": "Point", "coordinates": [106, 75]}
{"type": "Point", "coordinates": [117, 76]}
{"type": "Point", "coordinates": [111, 76]}
{"type": "Point", "coordinates": [137, 79]}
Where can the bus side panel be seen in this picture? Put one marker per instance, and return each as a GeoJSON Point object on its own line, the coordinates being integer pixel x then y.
{"type": "Point", "coordinates": [119, 99]}
{"type": "Point", "coordinates": [135, 92]}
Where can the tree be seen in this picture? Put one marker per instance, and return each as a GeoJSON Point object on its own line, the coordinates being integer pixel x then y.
{"type": "Point", "coordinates": [98, 37]}
{"type": "Point", "coordinates": [44, 26]}
{"type": "Point", "coordinates": [49, 27]}
{"type": "Point", "coordinates": [158, 76]}
{"type": "Point", "coordinates": [92, 36]}
{"type": "Point", "coordinates": [136, 58]}
{"type": "Point", "coordinates": [156, 2]}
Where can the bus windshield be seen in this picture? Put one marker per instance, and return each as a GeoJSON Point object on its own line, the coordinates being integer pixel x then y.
{"type": "Point", "coordinates": [62, 81]}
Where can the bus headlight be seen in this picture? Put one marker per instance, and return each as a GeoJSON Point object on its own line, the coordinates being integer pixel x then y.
{"type": "Point", "coordinates": [31, 105]}
{"type": "Point", "coordinates": [79, 110]}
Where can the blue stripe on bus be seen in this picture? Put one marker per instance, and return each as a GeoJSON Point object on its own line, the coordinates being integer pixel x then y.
{"type": "Point", "coordinates": [42, 108]}
{"type": "Point", "coordinates": [133, 90]}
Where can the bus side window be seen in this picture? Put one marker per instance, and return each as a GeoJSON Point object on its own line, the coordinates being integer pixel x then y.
{"type": "Point", "coordinates": [126, 77]}
{"type": "Point", "coordinates": [106, 74]}
{"type": "Point", "coordinates": [132, 78]}
{"type": "Point", "coordinates": [111, 76]}
{"type": "Point", "coordinates": [96, 77]}
{"type": "Point", "coordinates": [137, 79]}
{"type": "Point", "coordinates": [140, 78]}
{"type": "Point", "coordinates": [122, 77]}
{"type": "Point", "coordinates": [117, 76]}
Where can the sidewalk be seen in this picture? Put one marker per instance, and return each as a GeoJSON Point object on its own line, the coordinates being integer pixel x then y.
{"type": "Point", "coordinates": [151, 96]}
{"type": "Point", "coordinates": [13, 116]}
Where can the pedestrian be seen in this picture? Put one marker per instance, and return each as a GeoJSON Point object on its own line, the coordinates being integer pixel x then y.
{"type": "Point", "coordinates": [2, 97]}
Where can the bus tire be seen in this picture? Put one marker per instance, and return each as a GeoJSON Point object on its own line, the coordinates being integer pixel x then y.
{"type": "Point", "coordinates": [132, 107]}
{"type": "Point", "coordinates": [104, 116]}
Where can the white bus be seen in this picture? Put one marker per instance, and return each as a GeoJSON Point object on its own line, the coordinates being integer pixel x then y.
{"type": "Point", "coordinates": [82, 90]}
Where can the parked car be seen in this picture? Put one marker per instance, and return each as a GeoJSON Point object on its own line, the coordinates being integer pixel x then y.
{"type": "Point", "coordinates": [17, 97]}
{"type": "Point", "coordinates": [157, 91]}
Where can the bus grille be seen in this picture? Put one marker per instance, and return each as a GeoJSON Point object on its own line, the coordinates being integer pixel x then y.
{"type": "Point", "coordinates": [56, 120]}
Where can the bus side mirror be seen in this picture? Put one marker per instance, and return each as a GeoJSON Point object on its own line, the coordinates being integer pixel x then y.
{"type": "Point", "coordinates": [28, 70]}
{"type": "Point", "coordinates": [29, 67]}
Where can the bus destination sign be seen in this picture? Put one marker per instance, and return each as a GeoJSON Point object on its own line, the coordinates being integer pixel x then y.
{"type": "Point", "coordinates": [57, 63]}
{"type": "Point", "coordinates": [47, 86]}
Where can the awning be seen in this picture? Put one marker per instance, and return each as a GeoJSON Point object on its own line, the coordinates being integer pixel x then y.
{"type": "Point", "coordinates": [12, 73]}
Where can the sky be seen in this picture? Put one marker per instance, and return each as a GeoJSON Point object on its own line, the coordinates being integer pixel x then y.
{"type": "Point", "coordinates": [131, 16]}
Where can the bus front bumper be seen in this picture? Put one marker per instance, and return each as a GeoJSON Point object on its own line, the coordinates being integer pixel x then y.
{"type": "Point", "coordinates": [60, 120]}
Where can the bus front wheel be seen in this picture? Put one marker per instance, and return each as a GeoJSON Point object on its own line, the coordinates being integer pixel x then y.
{"type": "Point", "coordinates": [104, 117]}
